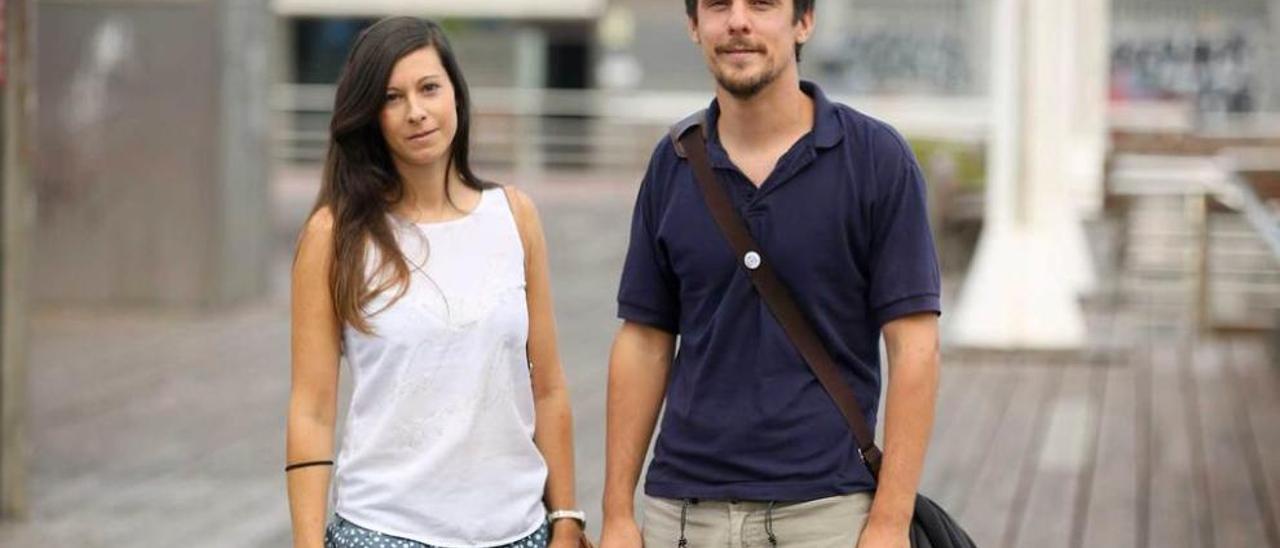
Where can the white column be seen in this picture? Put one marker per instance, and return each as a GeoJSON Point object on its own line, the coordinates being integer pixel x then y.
{"type": "Point", "coordinates": [1032, 262]}
{"type": "Point", "coordinates": [531, 79]}
{"type": "Point", "coordinates": [1081, 57]}
{"type": "Point", "coordinates": [834, 22]}
{"type": "Point", "coordinates": [1271, 103]}
{"type": "Point", "coordinates": [1093, 73]}
{"type": "Point", "coordinates": [1089, 135]}
{"type": "Point", "coordinates": [981, 40]}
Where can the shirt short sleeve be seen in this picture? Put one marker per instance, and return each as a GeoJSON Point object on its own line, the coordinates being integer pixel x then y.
{"type": "Point", "coordinates": [647, 293]}
{"type": "Point", "coordinates": [905, 277]}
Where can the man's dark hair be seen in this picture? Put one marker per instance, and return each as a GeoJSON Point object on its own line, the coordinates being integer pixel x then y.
{"type": "Point", "coordinates": [801, 7]}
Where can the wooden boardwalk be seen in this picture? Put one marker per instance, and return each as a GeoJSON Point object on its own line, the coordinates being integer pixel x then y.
{"type": "Point", "coordinates": [161, 429]}
{"type": "Point", "coordinates": [1177, 447]}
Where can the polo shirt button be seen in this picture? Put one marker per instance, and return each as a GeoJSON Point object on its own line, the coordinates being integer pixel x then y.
{"type": "Point", "coordinates": [751, 260]}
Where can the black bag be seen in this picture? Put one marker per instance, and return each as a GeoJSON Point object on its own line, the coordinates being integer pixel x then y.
{"type": "Point", "coordinates": [931, 526]}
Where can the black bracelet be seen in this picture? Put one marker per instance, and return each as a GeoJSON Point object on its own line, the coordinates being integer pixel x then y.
{"type": "Point", "coordinates": [309, 463]}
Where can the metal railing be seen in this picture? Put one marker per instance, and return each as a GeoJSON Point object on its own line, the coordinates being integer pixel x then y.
{"type": "Point", "coordinates": [597, 129]}
{"type": "Point", "coordinates": [517, 128]}
{"type": "Point", "coordinates": [1201, 236]}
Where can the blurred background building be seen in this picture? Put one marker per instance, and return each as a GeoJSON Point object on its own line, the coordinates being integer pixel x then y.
{"type": "Point", "coordinates": [579, 84]}
{"type": "Point", "coordinates": [153, 172]}
{"type": "Point", "coordinates": [592, 85]}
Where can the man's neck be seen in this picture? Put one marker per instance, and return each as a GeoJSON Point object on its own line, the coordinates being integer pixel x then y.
{"type": "Point", "coordinates": [780, 111]}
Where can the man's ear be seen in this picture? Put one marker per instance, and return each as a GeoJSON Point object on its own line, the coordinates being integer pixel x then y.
{"type": "Point", "coordinates": [692, 23]}
{"type": "Point", "coordinates": [804, 27]}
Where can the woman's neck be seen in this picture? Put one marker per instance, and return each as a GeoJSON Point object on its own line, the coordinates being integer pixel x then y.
{"type": "Point", "coordinates": [426, 197]}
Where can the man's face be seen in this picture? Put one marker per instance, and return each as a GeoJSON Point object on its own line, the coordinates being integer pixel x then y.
{"type": "Point", "coordinates": [749, 43]}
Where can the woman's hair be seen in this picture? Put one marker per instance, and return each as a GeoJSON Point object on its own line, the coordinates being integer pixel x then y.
{"type": "Point", "coordinates": [360, 181]}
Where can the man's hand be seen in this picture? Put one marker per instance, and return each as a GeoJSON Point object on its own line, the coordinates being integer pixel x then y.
{"type": "Point", "coordinates": [884, 535]}
{"type": "Point", "coordinates": [621, 532]}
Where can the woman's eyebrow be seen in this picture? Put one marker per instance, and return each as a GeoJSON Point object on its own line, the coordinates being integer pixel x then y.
{"type": "Point", "coordinates": [393, 87]}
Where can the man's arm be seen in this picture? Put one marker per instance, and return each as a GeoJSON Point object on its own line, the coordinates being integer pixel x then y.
{"type": "Point", "coordinates": [912, 343]}
{"type": "Point", "coordinates": [638, 368]}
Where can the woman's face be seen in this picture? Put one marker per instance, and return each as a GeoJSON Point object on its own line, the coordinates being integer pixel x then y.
{"type": "Point", "coordinates": [419, 117]}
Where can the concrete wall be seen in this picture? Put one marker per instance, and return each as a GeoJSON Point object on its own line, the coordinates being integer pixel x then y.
{"type": "Point", "coordinates": [152, 179]}
{"type": "Point", "coordinates": [242, 227]}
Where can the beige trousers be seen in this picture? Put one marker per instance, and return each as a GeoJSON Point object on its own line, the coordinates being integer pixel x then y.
{"type": "Point", "coordinates": [834, 522]}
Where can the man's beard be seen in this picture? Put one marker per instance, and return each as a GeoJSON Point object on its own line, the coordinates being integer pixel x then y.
{"type": "Point", "coordinates": [747, 88]}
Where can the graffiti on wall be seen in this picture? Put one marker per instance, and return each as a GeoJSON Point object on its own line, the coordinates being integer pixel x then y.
{"type": "Point", "coordinates": [899, 61]}
{"type": "Point", "coordinates": [1217, 72]}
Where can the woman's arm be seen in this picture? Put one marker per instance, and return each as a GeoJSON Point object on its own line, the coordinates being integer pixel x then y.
{"type": "Point", "coordinates": [313, 399]}
{"type": "Point", "coordinates": [554, 430]}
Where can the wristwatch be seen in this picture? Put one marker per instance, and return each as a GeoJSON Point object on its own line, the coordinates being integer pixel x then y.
{"type": "Point", "coordinates": [577, 515]}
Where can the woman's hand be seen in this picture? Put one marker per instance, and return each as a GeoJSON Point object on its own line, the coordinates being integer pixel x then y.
{"type": "Point", "coordinates": [565, 533]}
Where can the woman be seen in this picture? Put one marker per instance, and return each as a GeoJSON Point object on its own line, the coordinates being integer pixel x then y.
{"type": "Point", "coordinates": [433, 285]}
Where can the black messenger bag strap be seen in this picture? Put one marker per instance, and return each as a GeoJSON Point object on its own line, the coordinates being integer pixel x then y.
{"type": "Point", "coordinates": [692, 145]}
{"type": "Point", "coordinates": [931, 526]}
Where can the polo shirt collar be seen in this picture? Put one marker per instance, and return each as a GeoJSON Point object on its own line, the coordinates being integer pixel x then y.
{"type": "Point", "coordinates": [826, 132]}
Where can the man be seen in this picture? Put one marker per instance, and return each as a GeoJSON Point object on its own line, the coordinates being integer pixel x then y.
{"type": "Point", "coordinates": [752, 450]}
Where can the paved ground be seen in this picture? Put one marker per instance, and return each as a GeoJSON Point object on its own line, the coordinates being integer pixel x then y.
{"type": "Point", "coordinates": [152, 428]}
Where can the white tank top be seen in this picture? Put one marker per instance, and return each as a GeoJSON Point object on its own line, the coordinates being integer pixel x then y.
{"type": "Point", "coordinates": [438, 443]}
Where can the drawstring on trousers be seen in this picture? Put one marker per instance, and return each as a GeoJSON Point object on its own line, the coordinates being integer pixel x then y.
{"type": "Point", "coordinates": [684, 513]}
{"type": "Point", "coordinates": [684, 519]}
{"type": "Point", "coordinates": [768, 525]}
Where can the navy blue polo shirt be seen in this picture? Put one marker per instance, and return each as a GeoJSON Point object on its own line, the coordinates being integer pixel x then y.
{"type": "Point", "coordinates": [843, 220]}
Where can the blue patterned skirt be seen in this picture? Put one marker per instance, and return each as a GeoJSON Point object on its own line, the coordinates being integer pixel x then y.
{"type": "Point", "coordinates": [344, 534]}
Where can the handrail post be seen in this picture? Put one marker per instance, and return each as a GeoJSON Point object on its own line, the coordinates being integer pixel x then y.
{"type": "Point", "coordinates": [1198, 210]}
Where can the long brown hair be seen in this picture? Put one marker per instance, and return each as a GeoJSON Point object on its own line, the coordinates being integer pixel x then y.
{"type": "Point", "coordinates": [360, 181]}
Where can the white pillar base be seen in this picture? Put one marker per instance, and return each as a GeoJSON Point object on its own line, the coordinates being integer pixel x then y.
{"type": "Point", "coordinates": [1070, 255]}
{"type": "Point", "coordinates": [1016, 295]}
